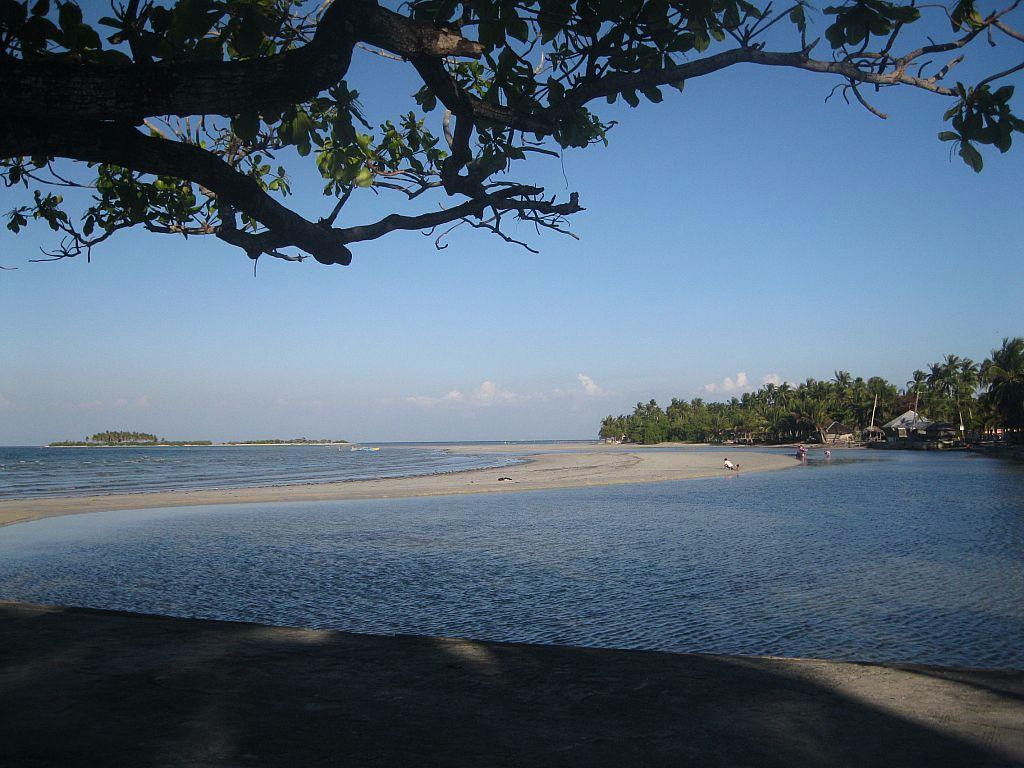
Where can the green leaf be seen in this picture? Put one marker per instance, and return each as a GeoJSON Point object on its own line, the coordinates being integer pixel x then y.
{"type": "Point", "coordinates": [491, 33]}
{"type": "Point", "coordinates": [1005, 137]}
{"type": "Point", "coordinates": [517, 28]}
{"type": "Point", "coordinates": [653, 95]}
{"type": "Point", "coordinates": [1003, 95]}
{"type": "Point", "coordinates": [249, 36]}
{"type": "Point", "coordinates": [798, 17]}
{"type": "Point", "coordinates": [364, 178]}
{"type": "Point", "coordinates": [836, 35]}
{"type": "Point", "coordinates": [69, 17]}
{"type": "Point", "coordinates": [971, 156]}
{"type": "Point", "coordinates": [246, 127]}
{"type": "Point", "coordinates": [87, 37]}
{"type": "Point", "coordinates": [16, 222]}
{"type": "Point", "coordinates": [556, 91]}
{"type": "Point", "coordinates": [948, 136]}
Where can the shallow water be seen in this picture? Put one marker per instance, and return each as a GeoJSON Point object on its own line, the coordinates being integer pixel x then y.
{"type": "Point", "coordinates": [28, 472]}
{"type": "Point", "coordinates": [885, 556]}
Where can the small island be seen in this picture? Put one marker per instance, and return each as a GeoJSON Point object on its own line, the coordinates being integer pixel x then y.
{"type": "Point", "coordinates": [125, 439]}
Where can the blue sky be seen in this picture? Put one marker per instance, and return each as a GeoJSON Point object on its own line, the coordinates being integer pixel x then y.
{"type": "Point", "coordinates": [743, 227]}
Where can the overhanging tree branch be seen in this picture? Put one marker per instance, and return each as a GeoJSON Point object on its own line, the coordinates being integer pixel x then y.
{"type": "Point", "coordinates": [134, 91]}
{"type": "Point", "coordinates": [124, 146]}
{"type": "Point", "coordinates": [225, 88]}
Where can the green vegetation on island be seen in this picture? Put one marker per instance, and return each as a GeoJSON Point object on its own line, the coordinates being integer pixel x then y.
{"type": "Point", "coordinates": [126, 439]}
{"type": "Point", "coordinates": [986, 399]}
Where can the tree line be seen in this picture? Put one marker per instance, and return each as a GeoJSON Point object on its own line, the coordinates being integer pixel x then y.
{"type": "Point", "coordinates": [114, 437]}
{"type": "Point", "coordinates": [124, 438]}
{"type": "Point", "coordinates": [984, 398]}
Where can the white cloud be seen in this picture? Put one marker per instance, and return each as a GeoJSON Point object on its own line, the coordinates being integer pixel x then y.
{"type": "Point", "coordinates": [120, 402]}
{"type": "Point", "coordinates": [589, 385]}
{"type": "Point", "coordinates": [450, 397]}
{"type": "Point", "coordinates": [91, 405]}
{"type": "Point", "coordinates": [740, 384]}
{"type": "Point", "coordinates": [489, 393]}
{"type": "Point", "coordinates": [729, 385]}
{"type": "Point", "coordinates": [142, 402]}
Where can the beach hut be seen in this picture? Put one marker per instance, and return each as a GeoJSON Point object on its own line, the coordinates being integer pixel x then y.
{"type": "Point", "coordinates": [909, 425]}
{"type": "Point", "coordinates": [873, 434]}
{"type": "Point", "coordinates": [838, 433]}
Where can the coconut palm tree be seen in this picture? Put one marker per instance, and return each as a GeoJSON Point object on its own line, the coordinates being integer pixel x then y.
{"type": "Point", "coordinates": [1004, 374]}
{"type": "Point", "coordinates": [967, 388]}
{"type": "Point", "coordinates": [943, 382]}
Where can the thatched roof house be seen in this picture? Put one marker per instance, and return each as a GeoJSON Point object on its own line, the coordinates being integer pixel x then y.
{"type": "Point", "coordinates": [873, 434]}
{"type": "Point", "coordinates": [907, 425]}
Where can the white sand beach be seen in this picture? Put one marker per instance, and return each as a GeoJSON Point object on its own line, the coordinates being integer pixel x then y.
{"type": "Point", "coordinates": [547, 466]}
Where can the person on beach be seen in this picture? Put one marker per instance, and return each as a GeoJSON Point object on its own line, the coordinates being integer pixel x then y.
{"type": "Point", "coordinates": [729, 465]}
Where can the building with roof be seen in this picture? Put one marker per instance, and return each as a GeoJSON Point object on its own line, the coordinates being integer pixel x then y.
{"type": "Point", "coordinates": [909, 425]}
{"type": "Point", "coordinates": [837, 432]}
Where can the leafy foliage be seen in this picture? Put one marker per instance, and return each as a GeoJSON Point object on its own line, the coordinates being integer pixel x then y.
{"type": "Point", "coordinates": [1004, 374]}
{"type": "Point", "coordinates": [981, 116]}
{"type": "Point", "coordinates": [529, 79]}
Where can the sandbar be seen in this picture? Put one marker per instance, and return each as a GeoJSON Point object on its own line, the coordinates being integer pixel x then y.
{"type": "Point", "coordinates": [545, 467]}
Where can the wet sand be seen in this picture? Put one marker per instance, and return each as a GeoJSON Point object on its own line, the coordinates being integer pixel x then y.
{"type": "Point", "coordinates": [548, 466]}
{"type": "Point", "coordinates": [84, 687]}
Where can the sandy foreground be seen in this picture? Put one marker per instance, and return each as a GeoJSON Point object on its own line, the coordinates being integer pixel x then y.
{"type": "Point", "coordinates": [564, 465]}
{"type": "Point", "coordinates": [99, 688]}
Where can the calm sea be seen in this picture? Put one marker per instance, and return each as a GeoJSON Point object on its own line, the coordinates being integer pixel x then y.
{"type": "Point", "coordinates": [33, 472]}
{"type": "Point", "coordinates": [874, 556]}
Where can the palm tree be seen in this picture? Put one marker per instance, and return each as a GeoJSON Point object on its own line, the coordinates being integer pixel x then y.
{"type": "Point", "coordinates": [967, 388]}
{"type": "Point", "coordinates": [814, 412]}
{"type": "Point", "coordinates": [943, 381]}
{"type": "Point", "coordinates": [1004, 374]}
{"type": "Point", "coordinates": [917, 383]}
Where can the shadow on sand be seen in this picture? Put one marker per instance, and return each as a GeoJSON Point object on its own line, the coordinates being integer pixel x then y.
{"type": "Point", "coordinates": [83, 687]}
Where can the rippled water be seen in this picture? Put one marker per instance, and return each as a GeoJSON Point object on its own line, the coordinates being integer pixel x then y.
{"type": "Point", "coordinates": [35, 472]}
{"type": "Point", "coordinates": [875, 556]}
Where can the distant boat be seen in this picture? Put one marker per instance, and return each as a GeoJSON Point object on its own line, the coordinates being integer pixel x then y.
{"type": "Point", "coordinates": [363, 448]}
